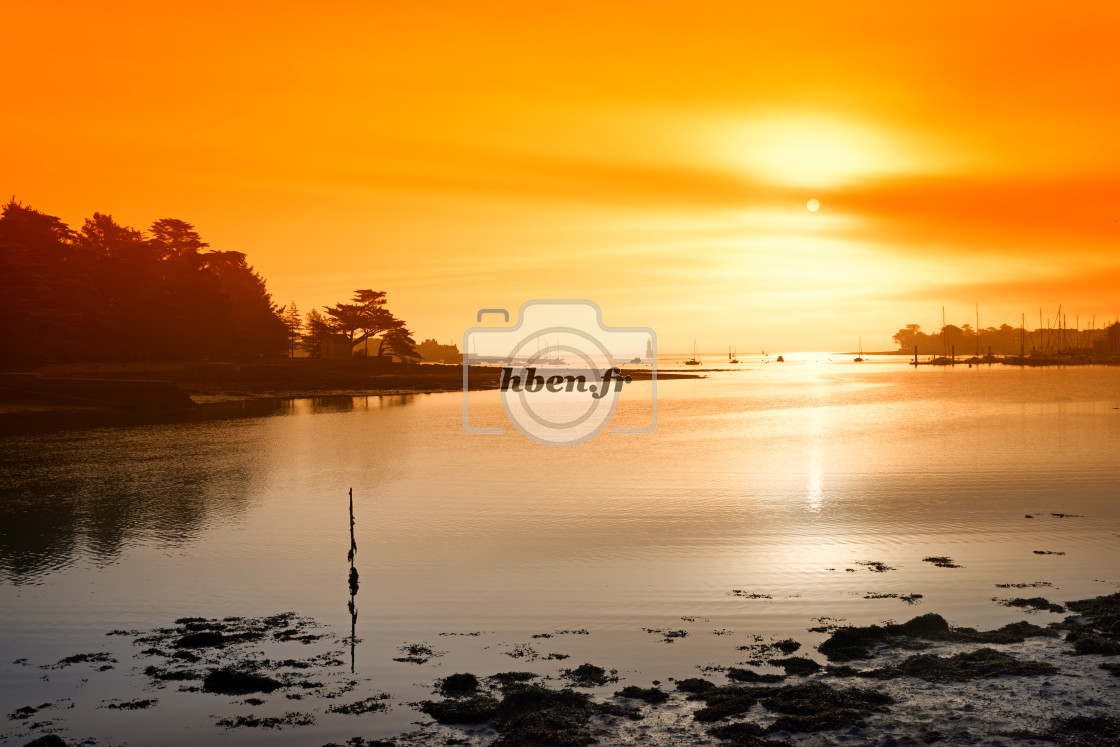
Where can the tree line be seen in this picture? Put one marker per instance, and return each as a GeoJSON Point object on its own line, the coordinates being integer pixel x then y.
{"type": "Point", "coordinates": [1006, 340]}
{"type": "Point", "coordinates": [109, 292]}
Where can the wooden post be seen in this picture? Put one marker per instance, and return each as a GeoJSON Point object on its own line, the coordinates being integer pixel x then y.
{"type": "Point", "coordinates": [915, 355]}
{"type": "Point", "coordinates": [352, 582]}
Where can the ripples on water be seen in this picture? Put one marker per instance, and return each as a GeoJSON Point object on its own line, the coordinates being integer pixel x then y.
{"type": "Point", "coordinates": [772, 481]}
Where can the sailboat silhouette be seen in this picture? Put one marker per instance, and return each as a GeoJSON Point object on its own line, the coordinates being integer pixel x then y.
{"type": "Point", "coordinates": [695, 359]}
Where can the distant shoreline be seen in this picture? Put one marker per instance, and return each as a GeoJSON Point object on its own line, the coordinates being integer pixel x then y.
{"type": "Point", "coordinates": [66, 387]}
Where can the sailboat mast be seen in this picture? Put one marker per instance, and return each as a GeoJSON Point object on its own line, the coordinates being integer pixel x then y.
{"type": "Point", "coordinates": [977, 329]}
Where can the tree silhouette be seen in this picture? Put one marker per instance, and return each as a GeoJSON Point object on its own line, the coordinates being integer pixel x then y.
{"type": "Point", "coordinates": [398, 341]}
{"type": "Point", "coordinates": [315, 329]}
{"type": "Point", "coordinates": [366, 313]}
{"type": "Point", "coordinates": [294, 322]}
{"type": "Point", "coordinates": [109, 292]}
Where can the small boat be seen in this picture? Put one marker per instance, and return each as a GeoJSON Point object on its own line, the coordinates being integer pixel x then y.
{"type": "Point", "coordinates": [781, 359]}
{"type": "Point", "coordinates": [731, 356]}
{"type": "Point", "coordinates": [859, 358]}
{"type": "Point", "coordinates": [695, 359]}
{"type": "Point", "coordinates": [635, 360]}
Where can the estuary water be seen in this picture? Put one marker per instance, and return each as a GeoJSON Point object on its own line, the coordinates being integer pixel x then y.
{"type": "Point", "coordinates": [750, 513]}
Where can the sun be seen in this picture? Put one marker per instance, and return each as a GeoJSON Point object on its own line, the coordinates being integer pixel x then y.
{"type": "Point", "coordinates": [813, 205]}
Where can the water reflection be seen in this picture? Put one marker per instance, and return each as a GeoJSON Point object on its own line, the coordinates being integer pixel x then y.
{"type": "Point", "coordinates": [118, 479]}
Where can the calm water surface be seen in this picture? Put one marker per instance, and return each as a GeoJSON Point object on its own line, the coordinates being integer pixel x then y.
{"type": "Point", "coordinates": [741, 513]}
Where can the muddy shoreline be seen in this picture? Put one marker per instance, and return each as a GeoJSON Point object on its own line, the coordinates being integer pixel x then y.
{"type": "Point", "coordinates": [923, 681]}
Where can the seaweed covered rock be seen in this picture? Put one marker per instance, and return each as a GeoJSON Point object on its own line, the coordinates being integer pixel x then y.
{"type": "Point", "coordinates": [738, 674]}
{"type": "Point", "coordinates": [695, 685]}
{"type": "Point", "coordinates": [983, 663]}
{"type": "Point", "coordinates": [528, 714]}
{"type": "Point", "coordinates": [797, 665]}
{"type": "Point", "coordinates": [821, 706]}
{"type": "Point", "coordinates": [47, 740]}
{"type": "Point", "coordinates": [1041, 604]}
{"type": "Point", "coordinates": [850, 643]}
{"type": "Point", "coordinates": [1101, 730]}
{"type": "Point", "coordinates": [651, 695]}
{"type": "Point", "coordinates": [745, 734]}
{"type": "Point", "coordinates": [814, 697]}
{"type": "Point", "coordinates": [825, 720]}
{"type": "Point", "coordinates": [589, 675]}
{"type": "Point", "coordinates": [234, 681]}
{"type": "Point", "coordinates": [1096, 630]}
{"type": "Point", "coordinates": [721, 702]}
{"type": "Point", "coordinates": [474, 710]}
{"type": "Point", "coordinates": [458, 685]}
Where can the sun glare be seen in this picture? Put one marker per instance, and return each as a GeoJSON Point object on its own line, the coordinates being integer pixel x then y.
{"type": "Point", "coordinates": [813, 205]}
{"type": "Point", "coordinates": [812, 151]}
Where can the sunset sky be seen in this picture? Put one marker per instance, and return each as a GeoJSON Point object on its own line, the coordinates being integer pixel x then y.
{"type": "Point", "coordinates": [656, 158]}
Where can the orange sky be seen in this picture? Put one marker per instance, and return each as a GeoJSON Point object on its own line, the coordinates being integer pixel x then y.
{"type": "Point", "coordinates": [653, 157]}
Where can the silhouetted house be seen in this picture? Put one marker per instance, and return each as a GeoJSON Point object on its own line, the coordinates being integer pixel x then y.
{"type": "Point", "coordinates": [374, 351]}
{"type": "Point", "coordinates": [337, 347]}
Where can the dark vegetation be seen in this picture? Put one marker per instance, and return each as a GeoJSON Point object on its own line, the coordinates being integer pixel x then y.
{"type": "Point", "coordinates": [110, 292]}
